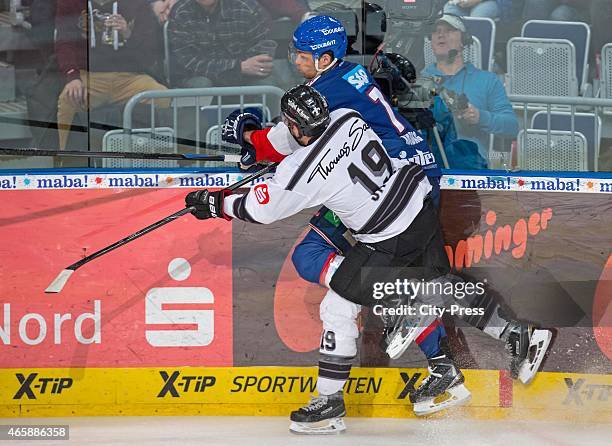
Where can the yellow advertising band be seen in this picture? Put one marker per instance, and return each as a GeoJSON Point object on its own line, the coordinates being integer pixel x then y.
{"type": "Point", "coordinates": [370, 392]}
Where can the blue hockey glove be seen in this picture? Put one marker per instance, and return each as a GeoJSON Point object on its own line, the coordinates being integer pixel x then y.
{"type": "Point", "coordinates": [238, 122]}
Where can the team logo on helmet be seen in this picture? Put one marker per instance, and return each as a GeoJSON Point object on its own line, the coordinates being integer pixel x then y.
{"type": "Point", "coordinates": [323, 45]}
{"type": "Point", "coordinates": [327, 32]}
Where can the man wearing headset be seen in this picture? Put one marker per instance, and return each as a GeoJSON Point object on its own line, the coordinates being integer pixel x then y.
{"type": "Point", "coordinates": [488, 108]}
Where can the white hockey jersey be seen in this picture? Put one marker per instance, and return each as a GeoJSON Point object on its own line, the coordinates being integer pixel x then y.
{"type": "Point", "coordinates": [346, 169]}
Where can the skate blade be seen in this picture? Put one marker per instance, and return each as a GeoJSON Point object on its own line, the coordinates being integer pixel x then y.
{"type": "Point", "coordinates": [400, 343]}
{"type": "Point", "coordinates": [333, 426]}
{"type": "Point", "coordinates": [455, 396]}
{"type": "Point", "coordinates": [540, 340]}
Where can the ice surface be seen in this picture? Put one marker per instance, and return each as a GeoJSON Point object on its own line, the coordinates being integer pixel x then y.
{"type": "Point", "coordinates": [273, 431]}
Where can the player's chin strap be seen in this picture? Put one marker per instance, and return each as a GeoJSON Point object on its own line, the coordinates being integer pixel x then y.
{"type": "Point", "coordinates": [321, 71]}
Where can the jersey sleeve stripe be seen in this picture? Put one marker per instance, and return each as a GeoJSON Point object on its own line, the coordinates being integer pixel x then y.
{"type": "Point", "coordinates": [264, 149]}
{"type": "Point", "coordinates": [319, 146]}
{"type": "Point", "coordinates": [240, 210]}
{"type": "Point", "coordinates": [395, 202]}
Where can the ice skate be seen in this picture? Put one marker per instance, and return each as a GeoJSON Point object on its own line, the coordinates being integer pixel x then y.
{"type": "Point", "coordinates": [442, 388]}
{"type": "Point", "coordinates": [527, 347]}
{"type": "Point", "coordinates": [399, 334]}
{"type": "Point", "coordinates": [321, 416]}
{"type": "Point", "coordinates": [400, 330]}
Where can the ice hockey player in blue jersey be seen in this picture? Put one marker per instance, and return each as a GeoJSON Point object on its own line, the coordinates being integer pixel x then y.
{"type": "Point", "coordinates": [339, 161]}
{"type": "Point", "coordinates": [319, 44]}
{"type": "Point", "coordinates": [347, 84]}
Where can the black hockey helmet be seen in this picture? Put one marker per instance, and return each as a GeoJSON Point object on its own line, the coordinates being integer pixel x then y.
{"type": "Point", "coordinates": [307, 109]}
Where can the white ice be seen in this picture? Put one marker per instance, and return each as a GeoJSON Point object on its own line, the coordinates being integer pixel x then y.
{"type": "Point", "coordinates": [273, 431]}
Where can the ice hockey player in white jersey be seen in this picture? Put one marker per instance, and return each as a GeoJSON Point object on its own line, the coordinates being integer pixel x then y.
{"type": "Point", "coordinates": [339, 162]}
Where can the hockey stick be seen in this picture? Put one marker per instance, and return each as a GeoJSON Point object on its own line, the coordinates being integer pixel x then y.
{"type": "Point", "coordinates": [60, 281]}
{"type": "Point", "coordinates": [124, 155]}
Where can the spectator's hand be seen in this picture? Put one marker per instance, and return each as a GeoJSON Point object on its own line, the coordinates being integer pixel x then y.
{"type": "Point", "coordinates": [118, 23]}
{"type": "Point", "coordinates": [471, 115]}
{"type": "Point", "coordinates": [468, 3]}
{"type": "Point", "coordinates": [161, 9]}
{"type": "Point", "coordinates": [260, 65]}
{"type": "Point", "coordinates": [76, 93]}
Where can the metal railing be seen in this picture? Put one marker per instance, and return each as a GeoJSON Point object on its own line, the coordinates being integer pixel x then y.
{"type": "Point", "coordinates": [270, 102]}
{"type": "Point", "coordinates": [574, 106]}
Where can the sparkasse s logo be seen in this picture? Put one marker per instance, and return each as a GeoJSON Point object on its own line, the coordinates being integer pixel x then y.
{"type": "Point", "coordinates": [184, 316]}
{"type": "Point", "coordinates": [262, 194]}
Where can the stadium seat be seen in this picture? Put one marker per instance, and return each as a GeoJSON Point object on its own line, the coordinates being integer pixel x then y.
{"type": "Point", "coordinates": [148, 140]}
{"type": "Point", "coordinates": [576, 32]}
{"type": "Point", "coordinates": [588, 124]}
{"type": "Point", "coordinates": [484, 30]}
{"type": "Point", "coordinates": [541, 67]}
{"type": "Point", "coordinates": [564, 152]}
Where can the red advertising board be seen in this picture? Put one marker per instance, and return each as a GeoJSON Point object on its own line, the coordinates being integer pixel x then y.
{"type": "Point", "coordinates": [164, 299]}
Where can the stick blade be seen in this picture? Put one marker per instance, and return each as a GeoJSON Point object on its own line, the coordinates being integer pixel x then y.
{"type": "Point", "coordinates": [60, 281]}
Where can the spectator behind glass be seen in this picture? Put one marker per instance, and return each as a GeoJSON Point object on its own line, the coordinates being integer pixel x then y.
{"type": "Point", "coordinates": [99, 70]}
{"type": "Point", "coordinates": [487, 110]}
{"type": "Point", "coordinates": [220, 43]}
{"type": "Point", "coordinates": [559, 10]}
{"type": "Point", "coordinates": [492, 9]}
{"type": "Point", "coordinates": [296, 10]}
{"type": "Point", "coordinates": [161, 9]}
{"type": "Point", "coordinates": [601, 19]}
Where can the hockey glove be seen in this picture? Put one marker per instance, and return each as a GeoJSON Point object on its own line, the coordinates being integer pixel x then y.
{"type": "Point", "coordinates": [233, 130]}
{"type": "Point", "coordinates": [207, 204]}
{"type": "Point", "coordinates": [238, 122]}
{"type": "Point", "coordinates": [248, 158]}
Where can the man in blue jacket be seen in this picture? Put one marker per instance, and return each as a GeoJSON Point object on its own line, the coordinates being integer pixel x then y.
{"type": "Point", "coordinates": [488, 109]}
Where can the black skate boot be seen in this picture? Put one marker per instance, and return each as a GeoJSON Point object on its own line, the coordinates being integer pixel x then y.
{"type": "Point", "coordinates": [322, 415]}
{"type": "Point", "coordinates": [527, 347]}
{"type": "Point", "coordinates": [444, 380]}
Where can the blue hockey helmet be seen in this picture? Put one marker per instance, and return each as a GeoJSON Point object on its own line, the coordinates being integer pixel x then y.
{"type": "Point", "coordinates": [320, 34]}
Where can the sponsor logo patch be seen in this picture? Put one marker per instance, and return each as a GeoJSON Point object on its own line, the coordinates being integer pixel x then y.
{"type": "Point", "coordinates": [358, 78]}
{"type": "Point", "coordinates": [262, 194]}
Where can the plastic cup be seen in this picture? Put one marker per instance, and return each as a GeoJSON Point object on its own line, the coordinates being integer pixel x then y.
{"type": "Point", "coordinates": [268, 47]}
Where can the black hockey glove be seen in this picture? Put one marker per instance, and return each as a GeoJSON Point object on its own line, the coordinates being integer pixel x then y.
{"type": "Point", "coordinates": [207, 204]}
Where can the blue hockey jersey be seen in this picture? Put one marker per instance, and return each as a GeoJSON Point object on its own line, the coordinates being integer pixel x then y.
{"type": "Point", "coordinates": [349, 85]}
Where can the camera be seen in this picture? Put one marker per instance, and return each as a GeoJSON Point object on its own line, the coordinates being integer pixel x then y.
{"type": "Point", "coordinates": [456, 103]}
{"type": "Point", "coordinates": [415, 10]}
{"type": "Point", "coordinates": [397, 78]}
